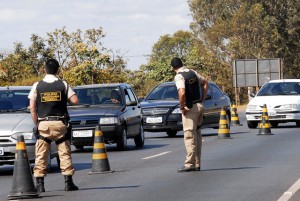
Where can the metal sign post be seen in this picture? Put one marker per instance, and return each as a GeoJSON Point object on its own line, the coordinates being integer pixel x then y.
{"type": "Point", "coordinates": [255, 72]}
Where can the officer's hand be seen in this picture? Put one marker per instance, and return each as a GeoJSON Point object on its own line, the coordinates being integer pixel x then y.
{"type": "Point", "coordinates": [184, 110]}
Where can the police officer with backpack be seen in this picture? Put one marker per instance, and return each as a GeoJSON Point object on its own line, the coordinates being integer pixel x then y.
{"type": "Point", "coordinates": [48, 106]}
{"type": "Point", "coordinates": [192, 89]}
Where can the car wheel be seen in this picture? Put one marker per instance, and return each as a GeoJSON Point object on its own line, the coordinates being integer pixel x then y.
{"type": "Point", "coordinates": [122, 140]}
{"type": "Point", "coordinates": [171, 133]}
{"type": "Point", "coordinates": [252, 124]}
{"type": "Point", "coordinates": [140, 138]}
{"type": "Point", "coordinates": [274, 124]}
{"type": "Point", "coordinates": [79, 147]}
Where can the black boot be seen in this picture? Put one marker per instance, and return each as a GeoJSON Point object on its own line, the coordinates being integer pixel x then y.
{"type": "Point", "coordinates": [40, 185]}
{"type": "Point", "coordinates": [70, 186]}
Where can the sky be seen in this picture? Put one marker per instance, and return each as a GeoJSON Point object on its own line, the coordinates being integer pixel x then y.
{"type": "Point", "coordinates": [131, 26]}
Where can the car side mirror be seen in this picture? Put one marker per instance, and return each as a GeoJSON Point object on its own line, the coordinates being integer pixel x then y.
{"type": "Point", "coordinates": [208, 97]}
{"type": "Point", "coordinates": [132, 103]}
{"type": "Point", "coordinates": [252, 94]}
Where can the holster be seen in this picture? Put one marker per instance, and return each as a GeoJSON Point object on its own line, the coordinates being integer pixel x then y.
{"type": "Point", "coordinates": [36, 132]}
{"type": "Point", "coordinates": [38, 136]}
{"type": "Point", "coordinates": [69, 127]}
{"type": "Point", "coordinates": [69, 132]}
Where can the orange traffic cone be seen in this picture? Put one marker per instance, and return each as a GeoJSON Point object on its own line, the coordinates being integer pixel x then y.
{"type": "Point", "coordinates": [234, 116]}
{"type": "Point", "coordinates": [264, 125]}
{"type": "Point", "coordinates": [23, 185]}
{"type": "Point", "coordinates": [100, 160]}
{"type": "Point", "coordinates": [223, 131]}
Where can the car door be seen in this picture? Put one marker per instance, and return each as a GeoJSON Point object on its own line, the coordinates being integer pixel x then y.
{"type": "Point", "coordinates": [209, 107]}
{"type": "Point", "coordinates": [133, 118]}
{"type": "Point", "coordinates": [218, 100]}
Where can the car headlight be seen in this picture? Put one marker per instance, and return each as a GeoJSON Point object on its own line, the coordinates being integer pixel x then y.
{"type": "Point", "coordinates": [27, 135]}
{"type": "Point", "coordinates": [253, 107]}
{"type": "Point", "coordinates": [289, 106]}
{"type": "Point", "coordinates": [108, 120]}
{"type": "Point", "coordinates": [176, 111]}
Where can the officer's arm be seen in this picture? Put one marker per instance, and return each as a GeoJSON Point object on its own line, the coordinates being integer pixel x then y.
{"type": "Point", "coordinates": [204, 86]}
{"type": "Point", "coordinates": [181, 94]}
{"type": "Point", "coordinates": [73, 100]}
{"type": "Point", "coordinates": [32, 107]}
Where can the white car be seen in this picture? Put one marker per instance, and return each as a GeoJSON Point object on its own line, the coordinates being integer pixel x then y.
{"type": "Point", "coordinates": [282, 98]}
{"type": "Point", "coordinates": [15, 119]}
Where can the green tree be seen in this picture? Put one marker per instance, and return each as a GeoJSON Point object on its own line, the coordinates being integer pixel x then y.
{"type": "Point", "coordinates": [37, 54]}
{"type": "Point", "coordinates": [168, 46]}
{"type": "Point", "coordinates": [241, 29]}
{"type": "Point", "coordinates": [18, 65]}
{"type": "Point", "coordinates": [83, 57]}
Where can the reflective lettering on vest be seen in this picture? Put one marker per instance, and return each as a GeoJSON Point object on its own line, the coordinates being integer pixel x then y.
{"type": "Point", "coordinates": [51, 96]}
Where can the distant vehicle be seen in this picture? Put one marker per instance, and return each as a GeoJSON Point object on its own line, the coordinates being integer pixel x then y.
{"type": "Point", "coordinates": [114, 107]}
{"type": "Point", "coordinates": [161, 111]}
{"type": "Point", "coordinates": [282, 98]}
{"type": "Point", "coordinates": [15, 119]}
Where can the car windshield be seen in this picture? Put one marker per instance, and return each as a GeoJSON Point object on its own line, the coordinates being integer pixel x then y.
{"type": "Point", "coordinates": [14, 100]}
{"type": "Point", "coordinates": [166, 92]}
{"type": "Point", "coordinates": [99, 96]}
{"type": "Point", "coordinates": [280, 89]}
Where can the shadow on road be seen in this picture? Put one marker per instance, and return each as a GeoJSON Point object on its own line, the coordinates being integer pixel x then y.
{"type": "Point", "coordinates": [103, 188]}
{"type": "Point", "coordinates": [238, 168]}
{"type": "Point", "coordinates": [6, 170]}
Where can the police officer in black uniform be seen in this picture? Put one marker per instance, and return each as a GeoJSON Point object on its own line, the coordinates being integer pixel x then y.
{"type": "Point", "coordinates": [48, 106]}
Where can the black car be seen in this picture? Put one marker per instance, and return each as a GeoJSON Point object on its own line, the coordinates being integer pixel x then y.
{"type": "Point", "coordinates": [114, 107]}
{"type": "Point", "coordinates": [161, 111]}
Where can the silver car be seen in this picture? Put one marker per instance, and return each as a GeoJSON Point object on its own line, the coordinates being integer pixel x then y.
{"type": "Point", "coordinates": [15, 119]}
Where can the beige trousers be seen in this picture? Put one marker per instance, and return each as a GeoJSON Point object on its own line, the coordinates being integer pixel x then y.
{"type": "Point", "coordinates": [53, 130]}
{"type": "Point", "coordinates": [192, 135]}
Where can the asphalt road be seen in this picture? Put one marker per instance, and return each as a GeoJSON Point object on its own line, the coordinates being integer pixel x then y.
{"type": "Point", "coordinates": [246, 167]}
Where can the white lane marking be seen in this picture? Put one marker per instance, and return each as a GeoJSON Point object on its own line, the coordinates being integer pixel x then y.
{"type": "Point", "coordinates": [163, 153]}
{"type": "Point", "coordinates": [289, 193]}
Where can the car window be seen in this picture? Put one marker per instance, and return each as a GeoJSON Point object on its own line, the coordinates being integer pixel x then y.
{"type": "Point", "coordinates": [217, 94]}
{"type": "Point", "coordinates": [209, 91]}
{"type": "Point", "coordinates": [166, 92]}
{"type": "Point", "coordinates": [129, 96]}
{"type": "Point", "coordinates": [282, 89]}
{"type": "Point", "coordinates": [14, 99]}
{"type": "Point", "coordinates": [99, 95]}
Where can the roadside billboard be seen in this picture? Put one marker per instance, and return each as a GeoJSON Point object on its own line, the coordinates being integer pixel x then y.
{"type": "Point", "coordinates": [256, 72]}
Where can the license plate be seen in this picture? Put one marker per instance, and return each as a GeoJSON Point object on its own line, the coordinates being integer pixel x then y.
{"type": "Point", "coordinates": [1, 151]}
{"type": "Point", "coordinates": [153, 120]}
{"type": "Point", "coordinates": [84, 133]}
{"type": "Point", "coordinates": [272, 113]}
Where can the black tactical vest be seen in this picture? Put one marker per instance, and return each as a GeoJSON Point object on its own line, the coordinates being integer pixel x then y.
{"type": "Point", "coordinates": [51, 99]}
{"type": "Point", "coordinates": [192, 88]}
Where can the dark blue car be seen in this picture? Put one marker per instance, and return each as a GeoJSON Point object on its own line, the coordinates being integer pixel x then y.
{"type": "Point", "coordinates": [114, 107]}
{"type": "Point", "coordinates": [161, 112]}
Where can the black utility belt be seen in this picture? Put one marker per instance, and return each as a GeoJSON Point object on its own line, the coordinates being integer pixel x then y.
{"type": "Point", "coordinates": [51, 118]}
{"type": "Point", "coordinates": [197, 101]}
